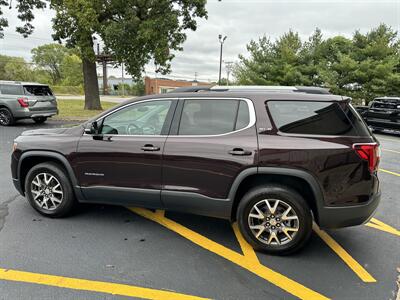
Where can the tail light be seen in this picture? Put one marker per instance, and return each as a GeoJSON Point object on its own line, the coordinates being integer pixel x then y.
{"type": "Point", "coordinates": [23, 102]}
{"type": "Point", "coordinates": [369, 152]}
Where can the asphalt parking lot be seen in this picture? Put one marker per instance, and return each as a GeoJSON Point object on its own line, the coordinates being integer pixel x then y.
{"type": "Point", "coordinates": [106, 252]}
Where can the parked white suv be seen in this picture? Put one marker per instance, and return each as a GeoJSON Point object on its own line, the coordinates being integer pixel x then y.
{"type": "Point", "coordinates": [26, 100]}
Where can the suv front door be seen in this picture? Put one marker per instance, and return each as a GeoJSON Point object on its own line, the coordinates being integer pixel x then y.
{"type": "Point", "coordinates": [122, 164]}
{"type": "Point", "coordinates": [210, 143]}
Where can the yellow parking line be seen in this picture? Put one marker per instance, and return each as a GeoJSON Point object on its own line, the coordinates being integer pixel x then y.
{"type": "Point", "coordinates": [375, 223]}
{"type": "Point", "coordinates": [268, 274]}
{"type": "Point", "coordinates": [344, 255]}
{"type": "Point", "coordinates": [92, 286]}
{"type": "Point", "coordinates": [389, 150]}
{"type": "Point", "coordinates": [247, 250]}
{"type": "Point", "coordinates": [390, 172]}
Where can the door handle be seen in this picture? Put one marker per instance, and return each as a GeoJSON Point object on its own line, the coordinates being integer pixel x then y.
{"type": "Point", "coordinates": [240, 152]}
{"type": "Point", "coordinates": [149, 147]}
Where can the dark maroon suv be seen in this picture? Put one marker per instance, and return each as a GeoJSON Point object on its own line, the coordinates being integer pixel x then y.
{"type": "Point", "coordinates": [272, 158]}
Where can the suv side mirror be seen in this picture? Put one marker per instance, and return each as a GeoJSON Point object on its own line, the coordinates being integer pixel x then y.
{"type": "Point", "coordinates": [92, 129]}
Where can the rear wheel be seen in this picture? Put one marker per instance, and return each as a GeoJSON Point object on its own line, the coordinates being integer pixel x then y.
{"type": "Point", "coordinates": [39, 120]}
{"type": "Point", "coordinates": [49, 190]}
{"type": "Point", "coordinates": [274, 219]}
{"type": "Point", "coordinates": [6, 117]}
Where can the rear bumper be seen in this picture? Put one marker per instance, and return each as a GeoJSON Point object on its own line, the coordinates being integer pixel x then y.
{"type": "Point", "coordinates": [383, 123]}
{"type": "Point", "coordinates": [25, 114]}
{"type": "Point", "coordinates": [337, 217]}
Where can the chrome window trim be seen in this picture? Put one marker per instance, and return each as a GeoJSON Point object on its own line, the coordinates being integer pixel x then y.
{"type": "Point", "coordinates": [250, 105]}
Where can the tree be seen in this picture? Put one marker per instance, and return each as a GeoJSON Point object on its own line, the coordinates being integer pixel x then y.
{"type": "Point", "coordinates": [363, 67]}
{"type": "Point", "coordinates": [15, 68]}
{"type": "Point", "coordinates": [134, 32]}
{"type": "Point", "coordinates": [50, 57]}
{"type": "Point", "coordinates": [71, 70]}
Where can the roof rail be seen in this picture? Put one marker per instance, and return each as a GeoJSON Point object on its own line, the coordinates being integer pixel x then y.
{"type": "Point", "coordinates": [191, 89]}
{"type": "Point", "coordinates": [253, 88]}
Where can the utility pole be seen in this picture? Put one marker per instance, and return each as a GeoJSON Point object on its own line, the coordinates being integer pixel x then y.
{"type": "Point", "coordinates": [123, 83]}
{"type": "Point", "coordinates": [195, 76]}
{"type": "Point", "coordinates": [104, 59]}
{"type": "Point", "coordinates": [229, 68]}
{"type": "Point", "coordinates": [221, 41]}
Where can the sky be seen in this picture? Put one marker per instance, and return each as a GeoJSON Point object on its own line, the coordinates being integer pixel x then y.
{"type": "Point", "coordinates": [241, 21]}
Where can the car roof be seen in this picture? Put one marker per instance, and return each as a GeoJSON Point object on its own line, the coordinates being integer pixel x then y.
{"type": "Point", "coordinates": [21, 83]}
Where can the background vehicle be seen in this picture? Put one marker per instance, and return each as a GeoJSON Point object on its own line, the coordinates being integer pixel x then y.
{"type": "Point", "coordinates": [26, 100]}
{"type": "Point", "coordinates": [272, 158]}
{"type": "Point", "coordinates": [382, 113]}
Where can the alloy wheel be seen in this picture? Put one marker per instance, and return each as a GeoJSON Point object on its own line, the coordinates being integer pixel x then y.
{"type": "Point", "coordinates": [47, 191]}
{"type": "Point", "coordinates": [273, 222]}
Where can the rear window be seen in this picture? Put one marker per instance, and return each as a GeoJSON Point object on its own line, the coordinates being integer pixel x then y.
{"type": "Point", "coordinates": [11, 89]}
{"type": "Point", "coordinates": [37, 90]}
{"type": "Point", "coordinates": [316, 118]}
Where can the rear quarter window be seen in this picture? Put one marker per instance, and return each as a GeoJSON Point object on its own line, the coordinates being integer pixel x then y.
{"type": "Point", "coordinates": [11, 89]}
{"type": "Point", "coordinates": [316, 118]}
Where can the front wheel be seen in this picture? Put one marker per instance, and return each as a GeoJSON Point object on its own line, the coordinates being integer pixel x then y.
{"type": "Point", "coordinates": [274, 219]}
{"type": "Point", "coordinates": [39, 120]}
{"type": "Point", "coordinates": [49, 190]}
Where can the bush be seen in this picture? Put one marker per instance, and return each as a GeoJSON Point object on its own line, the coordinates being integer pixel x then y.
{"type": "Point", "coordinates": [67, 90]}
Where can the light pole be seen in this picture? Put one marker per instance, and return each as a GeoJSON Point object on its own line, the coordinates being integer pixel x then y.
{"type": "Point", "coordinates": [221, 41]}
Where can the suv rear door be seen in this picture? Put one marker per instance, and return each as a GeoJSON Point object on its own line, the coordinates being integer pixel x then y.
{"type": "Point", "coordinates": [211, 141]}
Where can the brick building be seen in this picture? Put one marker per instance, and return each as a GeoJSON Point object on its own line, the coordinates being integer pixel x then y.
{"type": "Point", "coordinates": [164, 85]}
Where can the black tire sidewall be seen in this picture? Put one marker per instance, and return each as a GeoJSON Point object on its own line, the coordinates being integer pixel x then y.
{"type": "Point", "coordinates": [281, 193]}
{"type": "Point", "coordinates": [11, 117]}
{"type": "Point", "coordinates": [68, 198]}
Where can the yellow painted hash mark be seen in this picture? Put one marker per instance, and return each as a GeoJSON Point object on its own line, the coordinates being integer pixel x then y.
{"type": "Point", "coordinates": [247, 261]}
{"type": "Point", "coordinates": [375, 223]}
{"type": "Point", "coordinates": [389, 172]}
{"type": "Point", "coordinates": [92, 286]}
{"type": "Point", "coordinates": [344, 255]}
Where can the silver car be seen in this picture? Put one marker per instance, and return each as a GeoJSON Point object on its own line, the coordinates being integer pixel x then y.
{"type": "Point", "coordinates": [26, 100]}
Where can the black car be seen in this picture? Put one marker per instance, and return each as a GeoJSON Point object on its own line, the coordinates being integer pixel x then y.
{"type": "Point", "coordinates": [382, 113]}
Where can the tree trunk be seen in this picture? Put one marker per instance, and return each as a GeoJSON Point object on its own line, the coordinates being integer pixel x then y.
{"type": "Point", "coordinates": [91, 85]}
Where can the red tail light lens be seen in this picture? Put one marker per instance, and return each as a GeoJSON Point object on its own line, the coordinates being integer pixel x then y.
{"type": "Point", "coordinates": [369, 152]}
{"type": "Point", "coordinates": [23, 102]}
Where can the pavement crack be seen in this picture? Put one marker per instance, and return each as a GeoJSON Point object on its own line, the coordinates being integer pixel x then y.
{"type": "Point", "coordinates": [4, 210]}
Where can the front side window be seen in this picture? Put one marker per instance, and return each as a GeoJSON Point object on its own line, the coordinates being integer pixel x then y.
{"type": "Point", "coordinates": [213, 117]}
{"type": "Point", "coordinates": [311, 117]}
{"type": "Point", "coordinates": [11, 89]}
{"type": "Point", "coordinates": [146, 118]}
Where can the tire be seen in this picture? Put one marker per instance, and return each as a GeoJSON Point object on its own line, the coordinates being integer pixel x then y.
{"type": "Point", "coordinates": [40, 120]}
{"type": "Point", "coordinates": [6, 117]}
{"type": "Point", "coordinates": [57, 206]}
{"type": "Point", "coordinates": [287, 198]}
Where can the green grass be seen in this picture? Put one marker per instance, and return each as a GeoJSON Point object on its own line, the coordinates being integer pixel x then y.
{"type": "Point", "coordinates": [73, 110]}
